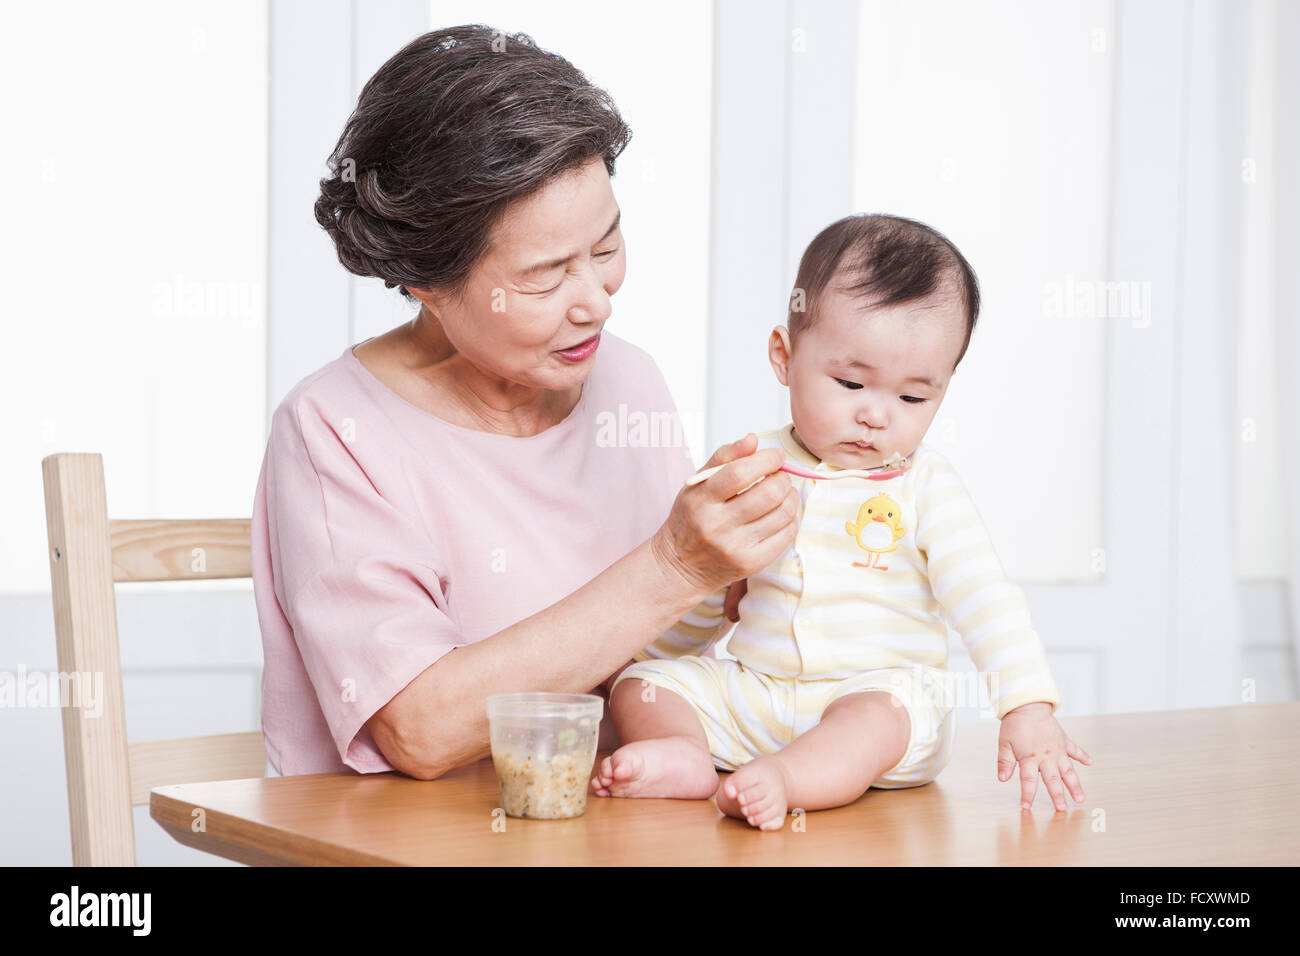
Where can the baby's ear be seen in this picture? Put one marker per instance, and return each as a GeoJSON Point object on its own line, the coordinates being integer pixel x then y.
{"type": "Point", "coordinates": [778, 353]}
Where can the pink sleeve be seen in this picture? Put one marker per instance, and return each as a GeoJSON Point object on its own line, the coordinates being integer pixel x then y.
{"type": "Point", "coordinates": [357, 579]}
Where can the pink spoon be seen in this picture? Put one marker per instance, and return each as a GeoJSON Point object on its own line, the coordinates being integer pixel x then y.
{"type": "Point", "coordinates": [879, 473]}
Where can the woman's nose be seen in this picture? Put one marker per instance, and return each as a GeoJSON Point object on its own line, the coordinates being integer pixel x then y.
{"type": "Point", "coordinates": [593, 303]}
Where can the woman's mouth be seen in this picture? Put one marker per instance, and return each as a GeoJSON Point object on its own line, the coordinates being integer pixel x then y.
{"type": "Point", "coordinates": [580, 351]}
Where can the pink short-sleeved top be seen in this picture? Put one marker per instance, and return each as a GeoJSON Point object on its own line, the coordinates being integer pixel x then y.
{"type": "Point", "coordinates": [384, 537]}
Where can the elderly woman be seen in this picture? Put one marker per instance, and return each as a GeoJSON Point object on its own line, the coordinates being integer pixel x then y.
{"type": "Point", "coordinates": [436, 520]}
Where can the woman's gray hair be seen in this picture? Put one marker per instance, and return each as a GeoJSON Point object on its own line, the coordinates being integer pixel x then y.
{"type": "Point", "coordinates": [452, 129]}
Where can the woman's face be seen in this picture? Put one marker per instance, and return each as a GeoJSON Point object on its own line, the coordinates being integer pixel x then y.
{"type": "Point", "coordinates": [544, 285]}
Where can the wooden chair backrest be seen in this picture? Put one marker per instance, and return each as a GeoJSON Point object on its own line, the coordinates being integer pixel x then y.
{"type": "Point", "coordinates": [88, 553]}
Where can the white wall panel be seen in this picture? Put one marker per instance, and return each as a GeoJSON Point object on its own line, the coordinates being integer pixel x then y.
{"type": "Point", "coordinates": [991, 122]}
{"type": "Point", "coordinates": [134, 256]}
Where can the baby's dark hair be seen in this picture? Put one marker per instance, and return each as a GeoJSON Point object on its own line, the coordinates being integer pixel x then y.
{"type": "Point", "coordinates": [885, 260]}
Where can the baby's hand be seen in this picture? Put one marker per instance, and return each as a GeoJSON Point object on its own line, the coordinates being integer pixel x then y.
{"type": "Point", "coordinates": [1031, 736]}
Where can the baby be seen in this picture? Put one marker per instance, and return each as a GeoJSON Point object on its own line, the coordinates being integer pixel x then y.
{"type": "Point", "coordinates": [839, 682]}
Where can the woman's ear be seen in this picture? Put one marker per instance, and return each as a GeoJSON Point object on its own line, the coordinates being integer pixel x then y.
{"type": "Point", "coordinates": [778, 353]}
{"type": "Point", "coordinates": [428, 299]}
{"type": "Point", "coordinates": [438, 300]}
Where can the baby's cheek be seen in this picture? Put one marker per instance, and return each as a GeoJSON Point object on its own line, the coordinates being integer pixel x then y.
{"type": "Point", "coordinates": [817, 405]}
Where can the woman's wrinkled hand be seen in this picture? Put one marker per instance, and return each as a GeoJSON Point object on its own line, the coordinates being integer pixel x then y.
{"type": "Point", "coordinates": [733, 524]}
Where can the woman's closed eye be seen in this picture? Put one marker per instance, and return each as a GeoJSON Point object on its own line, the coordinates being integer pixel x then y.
{"type": "Point", "coordinates": [602, 256]}
{"type": "Point", "coordinates": [910, 399]}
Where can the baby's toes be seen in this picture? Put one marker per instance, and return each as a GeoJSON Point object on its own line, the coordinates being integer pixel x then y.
{"type": "Point", "coordinates": [752, 794]}
{"type": "Point", "coordinates": [606, 772]}
{"type": "Point", "coordinates": [759, 804]}
{"type": "Point", "coordinates": [604, 777]}
{"type": "Point", "coordinates": [625, 766]}
{"type": "Point", "coordinates": [757, 812]}
{"type": "Point", "coordinates": [744, 779]}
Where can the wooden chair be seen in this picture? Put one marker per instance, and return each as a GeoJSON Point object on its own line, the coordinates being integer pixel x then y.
{"type": "Point", "coordinates": [88, 554]}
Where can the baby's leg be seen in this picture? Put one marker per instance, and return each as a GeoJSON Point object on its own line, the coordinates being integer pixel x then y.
{"type": "Point", "coordinates": [665, 751]}
{"type": "Point", "coordinates": [860, 737]}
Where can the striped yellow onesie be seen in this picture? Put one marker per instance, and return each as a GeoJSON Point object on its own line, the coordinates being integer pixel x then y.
{"type": "Point", "coordinates": [861, 601]}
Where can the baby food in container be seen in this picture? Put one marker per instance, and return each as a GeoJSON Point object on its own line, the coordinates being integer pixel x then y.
{"type": "Point", "coordinates": [544, 749]}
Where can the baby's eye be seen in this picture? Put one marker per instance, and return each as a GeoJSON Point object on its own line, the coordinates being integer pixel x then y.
{"type": "Point", "coordinates": [912, 399]}
{"type": "Point", "coordinates": [849, 384]}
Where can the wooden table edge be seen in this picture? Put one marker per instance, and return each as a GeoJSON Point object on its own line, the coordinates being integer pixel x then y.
{"type": "Point", "coordinates": [176, 817]}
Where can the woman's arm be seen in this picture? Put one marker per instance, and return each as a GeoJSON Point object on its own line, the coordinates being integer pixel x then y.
{"type": "Point", "coordinates": [439, 720]}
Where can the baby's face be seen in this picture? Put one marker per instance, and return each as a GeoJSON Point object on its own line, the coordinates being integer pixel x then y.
{"type": "Point", "coordinates": [855, 394]}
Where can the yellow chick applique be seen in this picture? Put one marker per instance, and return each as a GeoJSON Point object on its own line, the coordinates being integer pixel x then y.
{"type": "Point", "coordinates": [877, 530]}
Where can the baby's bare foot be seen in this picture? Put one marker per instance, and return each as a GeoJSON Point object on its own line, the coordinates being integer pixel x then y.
{"type": "Point", "coordinates": [667, 767]}
{"type": "Point", "coordinates": [758, 793]}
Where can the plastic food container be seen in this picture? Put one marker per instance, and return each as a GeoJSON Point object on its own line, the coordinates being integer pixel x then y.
{"type": "Point", "coordinates": [544, 749]}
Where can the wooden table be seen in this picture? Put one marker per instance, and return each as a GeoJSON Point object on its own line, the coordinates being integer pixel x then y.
{"type": "Point", "coordinates": [1179, 788]}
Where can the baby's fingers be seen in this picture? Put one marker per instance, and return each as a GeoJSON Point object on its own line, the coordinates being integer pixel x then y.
{"type": "Point", "coordinates": [1071, 780]}
{"type": "Point", "coordinates": [1077, 752]}
{"type": "Point", "coordinates": [1028, 783]}
{"type": "Point", "coordinates": [1006, 760]}
{"type": "Point", "coordinates": [1052, 778]}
